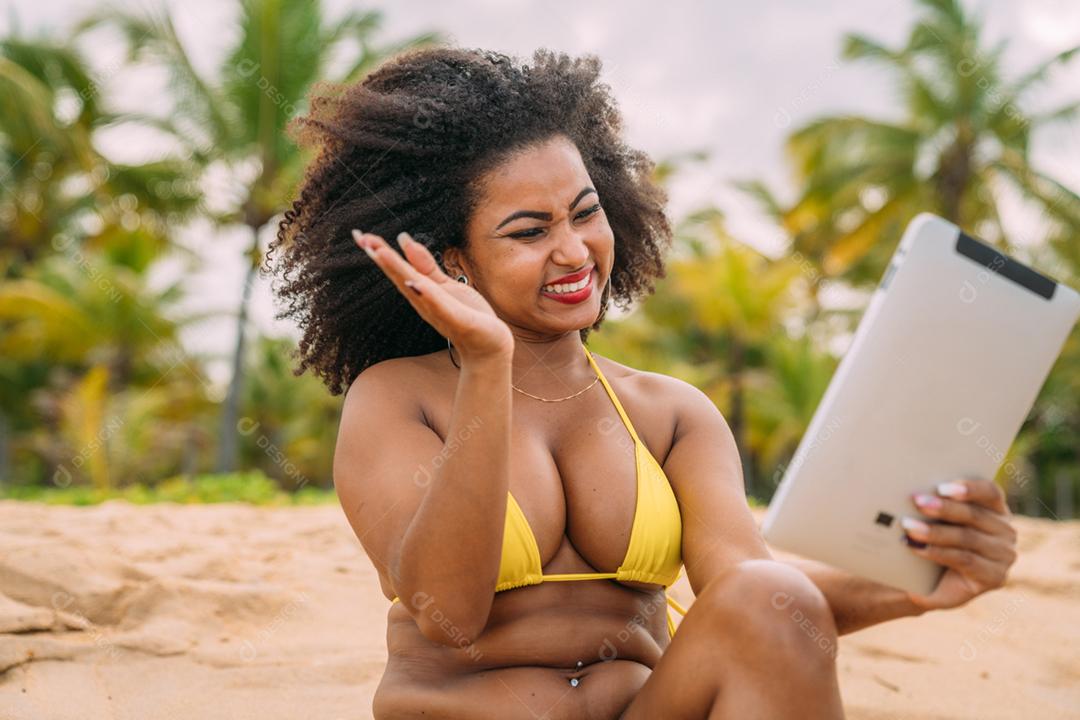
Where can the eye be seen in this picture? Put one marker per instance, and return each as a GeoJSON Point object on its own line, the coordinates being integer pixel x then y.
{"type": "Point", "coordinates": [525, 233]}
{"type": "Point", "coordinates": [589, 211]}
{"type": "Point", "coordinates": [532, 232]}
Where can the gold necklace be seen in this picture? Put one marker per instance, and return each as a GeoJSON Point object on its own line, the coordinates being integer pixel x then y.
{"type": "Point", "coordinates": [535, 397]}
{"type": "Point", "coordinates": [557, 399]}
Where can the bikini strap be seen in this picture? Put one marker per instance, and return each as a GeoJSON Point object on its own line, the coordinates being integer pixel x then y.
{"type": "Point", "coordinates": [614, 398]}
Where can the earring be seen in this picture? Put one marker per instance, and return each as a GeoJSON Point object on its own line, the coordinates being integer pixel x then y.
{"type": "Point", "coordinates": [461, 279]}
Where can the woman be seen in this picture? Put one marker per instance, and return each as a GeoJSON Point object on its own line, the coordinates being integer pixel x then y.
{"type": "Point", "coordinates": [524, 501]}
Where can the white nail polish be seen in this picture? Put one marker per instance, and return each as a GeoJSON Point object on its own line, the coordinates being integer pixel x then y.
{"type": "Point", "coordinates": [914, 525]}
{"type": "Point", "coordinates": [358, 238]}
{"type": "Point", "coordinates": [952, 489]}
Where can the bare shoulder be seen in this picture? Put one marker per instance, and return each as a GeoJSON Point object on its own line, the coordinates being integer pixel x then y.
{"type": "Point", "coordinates": [396, 381]}
{"type": "Point", "coordinates": [663, 399]}
{"type": "Point", "coordinates": [656, 388]}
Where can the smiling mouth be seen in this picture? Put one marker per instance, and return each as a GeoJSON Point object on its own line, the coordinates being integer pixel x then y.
{"type": "Point", "coordinates": [566, 288]}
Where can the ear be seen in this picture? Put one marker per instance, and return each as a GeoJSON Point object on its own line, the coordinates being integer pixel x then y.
{"type": "Point", "coordinates": [451, 262]}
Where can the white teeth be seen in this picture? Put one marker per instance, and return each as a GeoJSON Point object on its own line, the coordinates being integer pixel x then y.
{"type": "Point", "coordinates": [569, 288]}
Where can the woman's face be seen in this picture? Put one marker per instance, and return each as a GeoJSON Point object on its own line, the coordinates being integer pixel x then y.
{"type": "Point", "coordinates": [537, 221]}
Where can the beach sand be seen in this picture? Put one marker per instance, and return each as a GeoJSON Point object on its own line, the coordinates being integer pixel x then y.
{"type": "Point", "coordinates": [231, 611]}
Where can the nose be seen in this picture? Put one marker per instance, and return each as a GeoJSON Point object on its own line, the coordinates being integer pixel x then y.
{"type": "Point", "coordinates": [571, 249]}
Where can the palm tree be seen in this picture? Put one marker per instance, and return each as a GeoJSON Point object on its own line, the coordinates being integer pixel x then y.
{"type": "Point", "coordinates": [89, 347]}
{"type": "Point", "coordinates": [783, 399]}
{"type": "Point", "coordinates": [38, 149]}
{"type": "Point", "coordinates": [719, 306]}
{"type": "Point", "coordinates": [288, 421]}
{"type": "Point", "coordinates": [964, 138]}
{"type": "Point", "coordinates": [54, 184]}
{"type": "Point", "coordinates": [59, 196]}
{"type": "Point", "coordinates": [236, 121]}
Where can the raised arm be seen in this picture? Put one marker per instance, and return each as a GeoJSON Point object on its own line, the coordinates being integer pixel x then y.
{"type": "Point", "coordinates": [430, 512]}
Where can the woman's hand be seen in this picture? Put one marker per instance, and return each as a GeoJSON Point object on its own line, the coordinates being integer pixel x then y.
{"type": "Point", "coordinates": [970, 535]}
{"type": "Point", "coordinates": [454, 309]}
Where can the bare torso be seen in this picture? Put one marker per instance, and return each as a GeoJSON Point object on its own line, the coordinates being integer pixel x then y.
{"type": "Point", "coordinates": [573, 474]}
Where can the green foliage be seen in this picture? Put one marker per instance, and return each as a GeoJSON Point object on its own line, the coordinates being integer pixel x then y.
{"type": "Point", "coordinates": [961, 140]}
{"type": "Point", "coordinates": [288, 423]}
{"type": "Point", "coordinates": [234, 121]}
{"type": "Point", "coordinates": [251, 487]}
{"type": "Point", "coordinates": [99, 400]}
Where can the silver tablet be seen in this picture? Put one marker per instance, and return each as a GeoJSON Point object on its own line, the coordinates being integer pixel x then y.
{"type": "Point", "coordinates": [943, 369]}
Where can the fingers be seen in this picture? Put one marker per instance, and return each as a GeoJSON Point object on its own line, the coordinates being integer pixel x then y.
{"type": "Point", "coordinates": [961, 537]}
{"type": "Point", "coordinates": [396, 267]}
{"type": "Point", "coordinates": [976, 490]}
{"type": "Point", "coordinates": [959, 512]}
{"type": "Point", "coordinates": [423, 293]}
{"type": "Point", "coordinates": [391, 263]}
{"type": "Point", "coordinates": [413, 256]}
{"type": "Point", "coordinates": [969, 531]}
{"type": "Point", "coordinates": [971, 566]}
{"type": "Point", "coordinates": [421, 258]}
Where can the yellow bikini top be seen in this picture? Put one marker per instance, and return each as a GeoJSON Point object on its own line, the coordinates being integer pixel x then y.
{"type": "Point", "coordinates": [654, 554]}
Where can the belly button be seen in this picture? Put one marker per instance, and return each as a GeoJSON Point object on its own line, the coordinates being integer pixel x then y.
{"type": "Point", "coordinates": [574, 681]}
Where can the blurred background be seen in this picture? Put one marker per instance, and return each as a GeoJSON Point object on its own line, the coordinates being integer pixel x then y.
{"type": "Point", "coordinates": [144, 166]}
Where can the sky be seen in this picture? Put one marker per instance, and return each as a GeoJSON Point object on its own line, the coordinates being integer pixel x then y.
{"type": "Point", "coordinates": [730, 78]}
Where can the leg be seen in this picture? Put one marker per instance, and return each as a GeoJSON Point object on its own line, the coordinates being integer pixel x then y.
{"type": "Point", "coordinates": [759, 642]}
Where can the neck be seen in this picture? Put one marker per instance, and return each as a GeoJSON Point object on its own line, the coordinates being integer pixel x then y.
{"type": "Point", "coordinates": [552, 366]}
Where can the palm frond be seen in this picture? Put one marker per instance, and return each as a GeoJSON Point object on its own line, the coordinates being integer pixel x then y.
{"type": "Point", "coordinates": [860, 47]}
{"type": "Point", "coordinates": [152, 36]}
{"type": "Point", "coordinates": [1065, 113]}
{"type": "Point", "coordinates": [1042, 71]}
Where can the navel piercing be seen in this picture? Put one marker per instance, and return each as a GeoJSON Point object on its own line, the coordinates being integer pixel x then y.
{"type": "Point", "coordinates": [574, 681]}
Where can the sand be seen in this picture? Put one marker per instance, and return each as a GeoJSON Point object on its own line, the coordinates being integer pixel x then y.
{"type": "Point", "coordinates": [230, 611]}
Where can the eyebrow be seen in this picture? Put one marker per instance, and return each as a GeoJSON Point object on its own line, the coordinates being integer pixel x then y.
{"type": "Point", "coordinates": [543, 215]}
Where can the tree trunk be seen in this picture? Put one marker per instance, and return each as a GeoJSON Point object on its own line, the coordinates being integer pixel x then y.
{"type": "Point", "coordinates": [228, 442]}
{"type": "Point", "coordinates": [1063, 494]}
{"type": "Point", "coordinates": [955, 173]}
{"type": "Point", "coordinates": [1031, 499]}
{"type": "Point", "coordinates": [4, 460]}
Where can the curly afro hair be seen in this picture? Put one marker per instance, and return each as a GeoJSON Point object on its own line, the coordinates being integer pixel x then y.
{"type": "Point", "coordinates": [404, 150]}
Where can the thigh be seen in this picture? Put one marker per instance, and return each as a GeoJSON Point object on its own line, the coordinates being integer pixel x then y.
{"type": "Point", "coordinates": [682, 684]}
{"type": "Point", "coordinates": [734, 642]}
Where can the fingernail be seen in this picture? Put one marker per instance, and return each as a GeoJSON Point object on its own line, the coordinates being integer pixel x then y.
{"type": "Point", "coordinates": [359, 238]}
{"type": "Point", "coordinates": [917, 527]}
{"type": "Point", "coordinates": [412, 286]}
{"type": "Point", "coordinates": [403, 239]}
{"type": "Point", "coordinates": [952, 489]}
{"type": "Point", "coordinates": [928, 501]}
{"type": "Point", "coordinates": [912, 543]}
